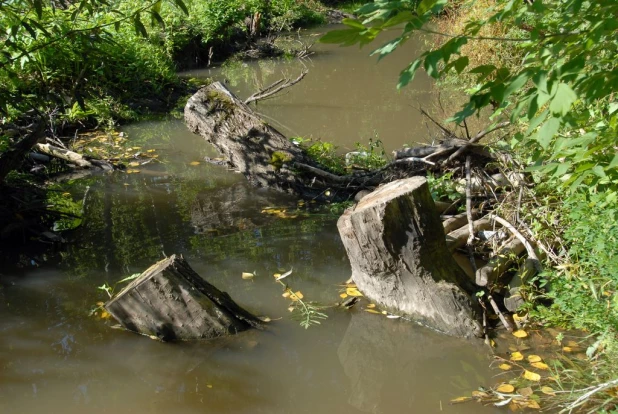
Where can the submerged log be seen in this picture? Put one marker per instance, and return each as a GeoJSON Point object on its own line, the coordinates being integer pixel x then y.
{"type": "Point", "coordinates": [172, 302]}
{"type": "Point", "coordinates": [395, 242]}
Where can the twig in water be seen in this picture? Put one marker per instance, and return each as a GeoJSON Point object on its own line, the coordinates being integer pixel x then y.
{"type": "Point", "coordinates": [274, 88]}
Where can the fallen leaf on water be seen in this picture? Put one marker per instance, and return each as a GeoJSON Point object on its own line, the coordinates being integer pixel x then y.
{"type": "Point", "coordinates": [460, 400]}
{"type": "Point", "coordinates": [126, 184]}
{"type": "Point", "coordinates": [277, 275]}
{"type": "Point", "coordinates": [105, 315]}
{"type": "Point", "coordinates": [393, 316]}
{"type": "Point", "coordinates": [286, 274]}
{"type": "Point", "coordinates": [343, 295]}
{"type": "Point", "coordinates": [505, 367]}
{"type": "Point", "coordinates": [291, 309]}
{"type": "Point", "coordinates": [372, 311]}
{"type": "Point", "coordinates": [134, 164]}
{"type": "Point", "coordinates": [567, 349]}
{"type": "Point", "coordinates": [548, 390]}
{"type": "Point", "coordinates": [503, 403]}
{"type": "Point", "coordinates": [353, 292]}
{"type": "Point", "coordinates": [506, 388]}
{"type": "Point", "coordinates": [265, 318]}
{"type": "Point", "coordinates": [100, 303]}
{"type": "Point", "coordinates": [533, 404]}
{"type": "Point", "coordinates": [479, 394]}
{"type": "Point", "coordinates": [194, 163]}
{"type": "Point", "coordinates": [208, 386]}
{"type": "Point", "coordinates": [296, 296]}
{"type": "Point", "coordinates": [384, 313]}
{"type": "Point", "coordinates": [525, 392]}
{"type": "Point", "coordinates": [286, 294]}
{"type": "Point", "coordinates": [540, 365]}
{"type": "Point", "coordinates": [151, 150]}
{"type": "Point", "coordinates": [532, 376]}
{"type": "Point", "coordinates": [534, 358]}
{"type": "Point", "coordinates": [516, 356]}
{"type": "Point", "coordinates": [520, 333]}
{"type": "Point", "coordinates": [371, 305]}
{"type": "Point", "coordinates": [246, 275]}
{"type": "Point", "coordinates": [132, 171]}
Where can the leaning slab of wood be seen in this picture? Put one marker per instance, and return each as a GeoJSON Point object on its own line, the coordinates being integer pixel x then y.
{"type": "Point", "coordinates": [172, 302]}
{"type": "Point", "coordinates": [395, 242]}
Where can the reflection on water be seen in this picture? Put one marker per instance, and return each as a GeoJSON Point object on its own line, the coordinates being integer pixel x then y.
{"type": "Point", "coordinates": [56, 358]}
{"type": "Point", "coordinates": [346, 97]}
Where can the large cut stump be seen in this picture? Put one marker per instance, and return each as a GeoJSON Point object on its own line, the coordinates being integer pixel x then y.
{"type": "Point", "coordinates": [169, 300]}
{"type": "Point", "coordinates": [395, 243]}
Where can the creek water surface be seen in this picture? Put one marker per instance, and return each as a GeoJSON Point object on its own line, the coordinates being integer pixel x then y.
{"type": "Point", "coordinates": [56, 358]}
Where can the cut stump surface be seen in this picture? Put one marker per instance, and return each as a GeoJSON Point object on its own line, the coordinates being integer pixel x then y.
{"type": "Point", "coordinates": [169, 300]}
{"type": "Point", "coordinates": [395, 242]}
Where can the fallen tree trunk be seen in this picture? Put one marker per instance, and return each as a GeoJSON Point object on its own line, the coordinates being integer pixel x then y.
{"type": "Point", "coordinates": [12, 158]}
{"type": "Point", "coordinates": [172, 302]}
{"type": "Point", "coordinates": [266, 157]}
{"type": "Point", "coordinates": [395, 242]}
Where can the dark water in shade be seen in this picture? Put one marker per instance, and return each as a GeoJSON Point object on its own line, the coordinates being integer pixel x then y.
{"type": "Point", "coordinates": [55, 358]}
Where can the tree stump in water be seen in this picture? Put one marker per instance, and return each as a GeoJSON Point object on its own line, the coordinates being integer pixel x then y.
{"type": "Point", "coordinates": [395, 242]}
{"type": "Point", "coordinates": [169, 300]}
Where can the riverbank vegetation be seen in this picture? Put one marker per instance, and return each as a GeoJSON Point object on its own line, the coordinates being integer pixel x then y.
{"type": "Point", "coordinates": [70, 67]}
{"type": "Point", "coordinates": [549, 68]}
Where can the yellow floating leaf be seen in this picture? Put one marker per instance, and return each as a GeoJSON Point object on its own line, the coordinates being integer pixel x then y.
{"type": "Point", "coordinates": [265, 319]}
{"type": "Point", "coordinates": [194, 163]}
{"type": "Point", "coordinates": [513, 348]}
{"type": "Point", "coordinates": [492, 343]}
{"type": "Point", "coordinates": [534, 358]}
{"type": "Point", "coordinates": [291, 309]}
{"type": "Point", "coordinates": [479, 394]}
{"type": "Point", "coordinates": [343, 295]}
{"type": "Point", "coordinates": [286, 294]}
{"type": "Point", "coordinates": [540, 365]}
{"type": "Point", "coordinates": [505, 388]}
{"type": "Point", "coordinates": [525, 392]}
{"type": "Point", "coordinates": [134, 164]}
{"type": "Point", "coordinates": [519, 318]}
{"type": "Point", "coordinates": [126, 184]}
{"type": "Point", "coordinates": [516, 356]}
{"type": "Point", "coordinates": [105, 315]}
{"type": "Point", "coordinates": [532, 376]}
{"type": "Point", "coordinates": [520, 333]}
{"type": "Point", "coordinates": [296, 296]}
{"type": "Point", "coordinates": [567, 349]}
{"type": "Point", "coordinates": [373, 311]}
{"type": "Point", "coordinates": [154, 156]}
{"type": "Point", "coordinates": [100, 303]}
{"type": "Point", "coordinates": [353, 292]}
{"type": "Point", "coordinates": [246, 275]}
{"type": "Point", "coordinates": [277, 275]}
{"type": "Point", "coordinates": [547, 390]}
{"type": "Point", "coordinates": [135, 148]}
{"type": "Point", "coordinates": [533, 404]}
{"type": "Point", "coordinates": [151, 150]}
{"type": "Point", "coordinates": [460, 400]}
{"type": "Point", "coordinates": [371, 306]}
{"type": "Point", "coordinates": [208, 385]}
{"type": "Point", "coordinates": [505, 367]}
{"type": "Point", "coordinates": [384, 313]}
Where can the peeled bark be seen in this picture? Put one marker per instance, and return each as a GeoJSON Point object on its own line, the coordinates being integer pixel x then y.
{"type": "Point", "coordinates": [395, 242]}
{"type": "Point", "coordinates": [172, 302]}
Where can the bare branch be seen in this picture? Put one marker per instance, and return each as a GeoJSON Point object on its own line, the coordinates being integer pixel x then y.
{"type": "Point", "coordinates": [274, 88]}
{"type": "Point", "coordinates": [475, 139]}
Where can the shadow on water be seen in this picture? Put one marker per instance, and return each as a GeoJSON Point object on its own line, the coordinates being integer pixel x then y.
{"type": "Point", "coordinates": [57, 358]}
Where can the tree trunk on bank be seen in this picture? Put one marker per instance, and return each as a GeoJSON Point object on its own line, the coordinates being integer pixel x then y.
{"type": "Point", "coordinates": [395, 242]}
{"type": "Point", "coordinates": [172, 302]}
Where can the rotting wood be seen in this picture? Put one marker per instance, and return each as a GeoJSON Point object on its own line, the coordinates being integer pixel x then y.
{"type": "Point", "coordinates": [172, 302]}
{"type": "Point", "coordinates": [499, 263]}
{"type": "Point", "coordinates": [459, 237]}
{"type": "Point", "coordinates": [396, 246]}
{"type": "Point", "coordinates": [455, 222]}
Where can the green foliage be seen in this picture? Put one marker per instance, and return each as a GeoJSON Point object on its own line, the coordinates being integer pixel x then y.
{"type": "Point", "coordinates": [564, 87]}
{"type": "Point", "coordinates": [443, 187]}
{"type": "Point", "coordinates": [370, 156]}
{"type": "Point", "coordinates": [324, 153]}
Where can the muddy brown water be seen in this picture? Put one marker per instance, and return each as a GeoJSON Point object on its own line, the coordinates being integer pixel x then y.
{"type": "Point", "coordinates": [56, 358]}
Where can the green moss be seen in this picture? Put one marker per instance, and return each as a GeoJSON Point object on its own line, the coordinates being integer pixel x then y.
{"type": "Point", "coordinates": [279, 158]}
